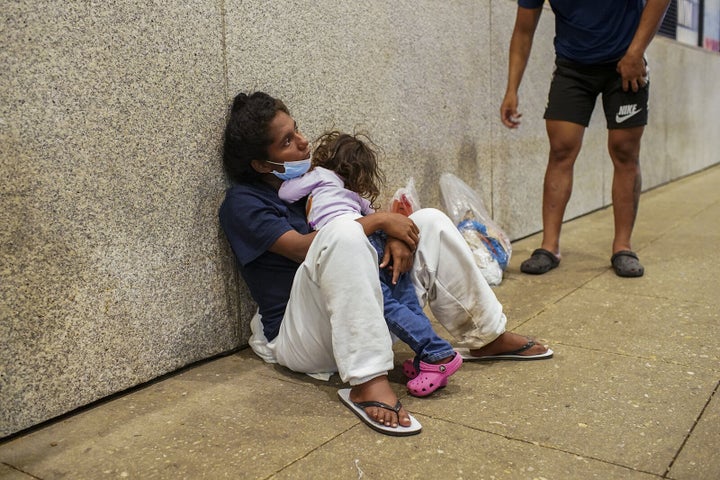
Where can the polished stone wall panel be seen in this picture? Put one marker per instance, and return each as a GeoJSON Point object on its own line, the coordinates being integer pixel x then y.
{"type": "Point", "coordinates": [412, 74]}
{"type": "Point", "coordinates": [519, 155]}
{"type": "Point", "coordinates": [113, 269]}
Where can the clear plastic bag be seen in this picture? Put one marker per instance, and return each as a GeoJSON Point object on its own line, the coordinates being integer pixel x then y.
{"type": "Point", "coordinates": [406, 200]}
{"type": "Point", "coordinates": [490, 245]}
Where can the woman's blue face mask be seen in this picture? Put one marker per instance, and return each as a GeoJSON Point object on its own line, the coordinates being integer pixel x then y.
{"type": "Point", "coordinates": [292, 169]}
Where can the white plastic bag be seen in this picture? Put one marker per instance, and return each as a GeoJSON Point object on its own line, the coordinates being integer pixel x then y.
{"type": "Point", "coordinates": [491, 247]}
{"type": "Point", "coordinates": [406, 199]}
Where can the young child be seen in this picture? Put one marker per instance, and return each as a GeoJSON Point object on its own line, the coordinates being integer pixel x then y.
{"type": "Point", "coordinates": [344, 180]}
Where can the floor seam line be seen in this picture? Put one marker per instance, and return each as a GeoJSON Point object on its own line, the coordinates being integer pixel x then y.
{"type": "Point", "coordinates": [541, 445]}
{"type": "Point", "coordinates": [690, 432]}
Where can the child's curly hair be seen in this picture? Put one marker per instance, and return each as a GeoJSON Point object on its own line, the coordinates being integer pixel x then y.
{"type": "Point", "coordinates": [353, 159]}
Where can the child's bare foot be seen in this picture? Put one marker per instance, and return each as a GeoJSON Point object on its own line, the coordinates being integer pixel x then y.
{"type": "Point", "coordinates": [510, 342]}
{"type": "Point", "coordinates": [378, 390]}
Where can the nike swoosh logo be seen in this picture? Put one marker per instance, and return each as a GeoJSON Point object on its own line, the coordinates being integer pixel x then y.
{"type": "Point", "coordinates": [622, 118]}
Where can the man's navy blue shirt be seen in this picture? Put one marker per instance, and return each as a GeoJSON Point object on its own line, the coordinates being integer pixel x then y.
{"type": "Point", "coordinates": [592, 31]}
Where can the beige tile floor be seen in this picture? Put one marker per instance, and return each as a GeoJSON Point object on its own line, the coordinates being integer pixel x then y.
{"type": "Point", "coordinates": [632, 392]}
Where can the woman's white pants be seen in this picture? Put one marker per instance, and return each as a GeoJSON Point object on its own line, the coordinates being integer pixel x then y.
{"type": "Point", "coordinates": [334, 318]}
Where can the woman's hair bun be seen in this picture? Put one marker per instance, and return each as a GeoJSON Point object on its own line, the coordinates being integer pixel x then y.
{"type": "Point", "coordinates": [240, 101]}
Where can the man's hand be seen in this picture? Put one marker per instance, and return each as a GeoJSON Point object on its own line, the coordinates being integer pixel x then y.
{"type": "Point", "coordinates": [633, 71]}
{"type": "Point", "coordinates": [631, 66]}
{"type": "Point", "coordinates": [509, 114]}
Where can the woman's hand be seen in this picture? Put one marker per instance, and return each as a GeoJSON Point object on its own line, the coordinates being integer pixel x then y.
{"type": "Point", "coordinates": [395, 225]}
{"type": "Point", "coordinates": [398, 258]}
{"type": "Point", "coordinates": [403, 237]}
{"type": "Point", "coordinates": [402, 228]}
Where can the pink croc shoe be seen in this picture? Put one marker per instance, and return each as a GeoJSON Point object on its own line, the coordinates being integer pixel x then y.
{"type": "Point", "coordinates": [431, 377]}
{"type": "Point", "coordinates": [409, 368]}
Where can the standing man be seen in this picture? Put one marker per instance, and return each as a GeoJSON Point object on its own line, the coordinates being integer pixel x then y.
{"type": "Point", "coordinates": [600, 49]}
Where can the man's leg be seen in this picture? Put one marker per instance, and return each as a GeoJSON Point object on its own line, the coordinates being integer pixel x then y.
{"type": "Point", "coordinates": [565, 142]}
{"type": "Point", "coordinates": [624, 148]}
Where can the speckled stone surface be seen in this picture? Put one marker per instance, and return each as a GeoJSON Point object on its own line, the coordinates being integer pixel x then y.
{"type": "Point", "coordinates": [113, 269]}
{"type": "Point", "coordinates": [9, 473]}
{"type": "Point", "coordinates": [683, 136]}
{"type": "Point", "coordinates": [414, 75]}
{"type": "Point", "coordinates": [699, 459]}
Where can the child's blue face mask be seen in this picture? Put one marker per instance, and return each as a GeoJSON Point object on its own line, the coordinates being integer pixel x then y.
{"type": "Point", "coordinates": [292, 169]}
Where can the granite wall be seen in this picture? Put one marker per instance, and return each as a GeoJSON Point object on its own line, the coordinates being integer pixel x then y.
{"type": "Point", "coordinates": [113, 269]}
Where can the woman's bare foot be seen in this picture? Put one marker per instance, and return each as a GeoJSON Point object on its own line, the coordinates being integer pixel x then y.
{"type": "Point", "coordinates": [508, 342]}
{"type": "Point", "coordinates": [378, 389]}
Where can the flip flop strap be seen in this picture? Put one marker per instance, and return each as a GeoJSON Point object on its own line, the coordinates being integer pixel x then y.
{"type": "Point", "coordinates": [527, 346]}
{"type": "Point", "coordinates": [373, 403]}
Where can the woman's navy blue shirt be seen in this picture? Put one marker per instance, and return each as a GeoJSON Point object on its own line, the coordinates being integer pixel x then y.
{"type": "Point", "coordinates": [253, 218]}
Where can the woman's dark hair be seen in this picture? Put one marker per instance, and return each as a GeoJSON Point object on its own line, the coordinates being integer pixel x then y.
{"type": "Point", "coordinates": [353, 159]}
{"type": "Point", "coordinates": [246, 134]}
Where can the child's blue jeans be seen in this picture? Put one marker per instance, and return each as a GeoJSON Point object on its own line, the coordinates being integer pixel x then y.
{"type": "Point", "coordinates": [404, 316]}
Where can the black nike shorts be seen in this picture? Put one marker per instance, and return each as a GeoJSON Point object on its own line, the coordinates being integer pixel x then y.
{"type": "Point", "coordinates": [575, 87]}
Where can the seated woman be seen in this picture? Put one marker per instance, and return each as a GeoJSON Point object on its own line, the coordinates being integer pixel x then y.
{"type": "Point", "coordinates": [318, 292]}
{"type": "Point", "coordinates": [345, 179]}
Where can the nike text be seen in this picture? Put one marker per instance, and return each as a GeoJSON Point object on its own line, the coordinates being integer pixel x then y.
{"type": "Point", "coordinates": [626, 111]}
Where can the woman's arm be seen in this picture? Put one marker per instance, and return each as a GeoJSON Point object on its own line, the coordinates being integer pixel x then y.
{"type": "Point", "coordinates": [293, 245]}
{"type": "Point", "coordinates": [403, 237]}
